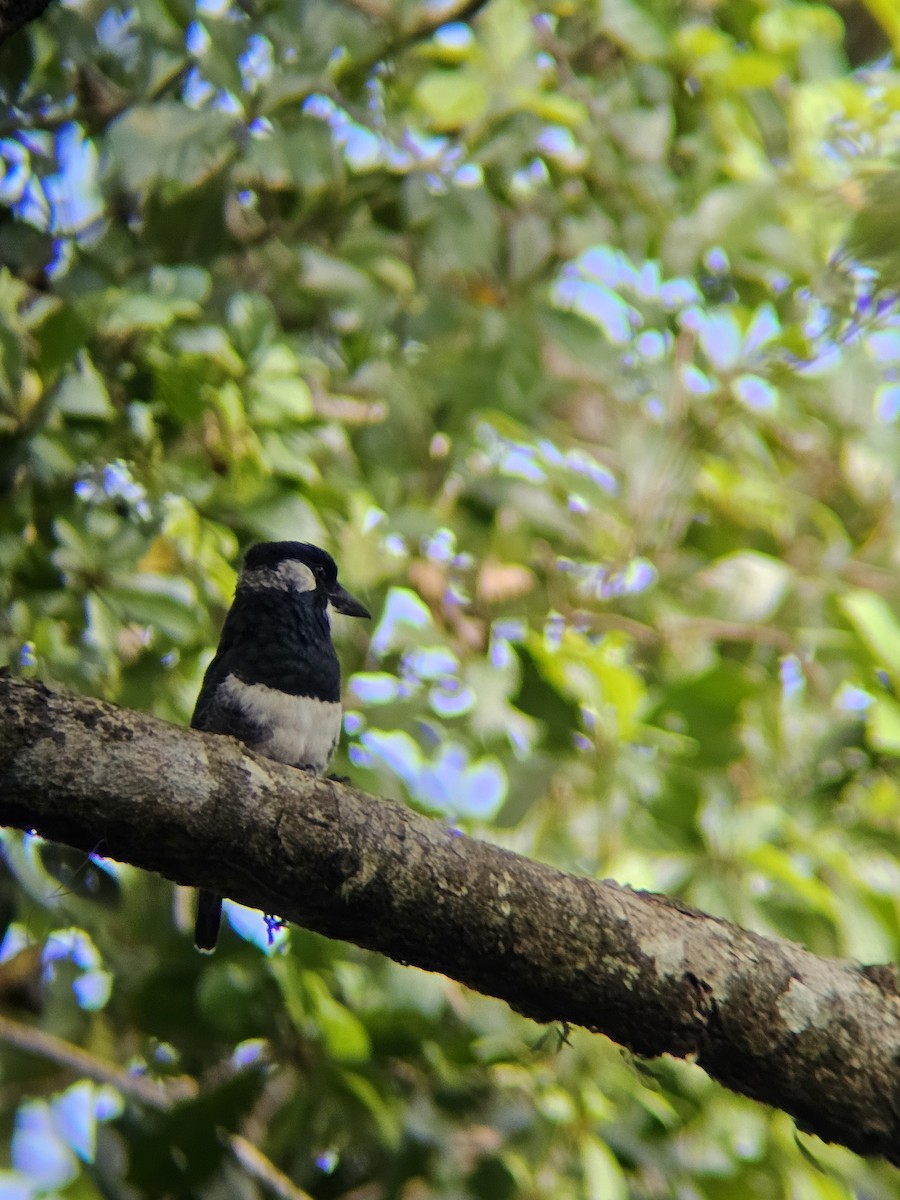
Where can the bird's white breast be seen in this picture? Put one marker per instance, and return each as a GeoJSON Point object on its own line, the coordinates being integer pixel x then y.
{"type": "Point", "coordinates": [298, 729]}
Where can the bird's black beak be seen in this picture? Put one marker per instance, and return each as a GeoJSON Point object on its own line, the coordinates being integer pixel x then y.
{"type": "Point", "coordinates": [343, 602]}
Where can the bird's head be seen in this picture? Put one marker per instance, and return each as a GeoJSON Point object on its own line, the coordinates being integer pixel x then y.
{"type": "Point", "coordinates": [301, 568]}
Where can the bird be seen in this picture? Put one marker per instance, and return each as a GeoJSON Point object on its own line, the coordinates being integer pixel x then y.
{"type": "Point", "coordinates": [275, 680]}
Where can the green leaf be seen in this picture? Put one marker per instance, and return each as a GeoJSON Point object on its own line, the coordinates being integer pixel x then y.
{"type": "Point", "coordinates": [312, 158]}
{"type": "Point", "coordinates": [60, 335]}
{"type": "Point", "coordinates": [603, 1174]}
{"type": "Point", "coordinates": [252, 322]}
{"type": "Point", "coordinates": [631, 26]}
{"type": "Point", "coordinates": [883, 725]}
{"type": "Point", "coordinates": [554, 107]}
{"type": "Point", "coordinates": [452, 98]}
{"type": "Point", "coordinates": [707, 709]}
{"type": "Point", "coordinates": [343, 1033]}
{"type": "Point", "coordinates": [133, 313]}
{"type": "Point", "coordinates": [876, 626]}
{"type": "Point", "coordinates": [752, 585]}
{"type": "Point", "coordinates": [751, 71]}
{"type": "Point", "coordinates": [751, 498]}
{"type": "Point", "coordinates": [385, 1115]}
{"type": "Point", "coordinates": [164, 602]}
{"type": "Point", "coordinates": [777, 865]}
{"type": "Point", "coordinates": [179, 383]}
{"type": "Point", "coordinates": [277, 395]}
{"type": "Point", "coordinates": [186, 282]}
{"type": "Point", "coordinates": [285, 517]}
{"type": "Point", "coordinates": [169, 144]}
{"type": "Point", "coordinates": [789, 28]}
{"type": "Point", "coordinates": [12, 362]}
{"type": "Point", "coordinates": [210, 342]}
{"type": "Point", "coordinates": [276, 399]}
{"type": "Point", "coordinates": [547, 702]}
{"type": "Point", "coordinates": [331, 276]}
{"type": "Point", "coordinates": [83, 393]}
{"type": "Point", "coordinates": [288, 87]}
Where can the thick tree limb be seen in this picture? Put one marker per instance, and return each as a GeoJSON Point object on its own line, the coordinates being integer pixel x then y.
{"type": "Point", "coordinates": [819, 1038]}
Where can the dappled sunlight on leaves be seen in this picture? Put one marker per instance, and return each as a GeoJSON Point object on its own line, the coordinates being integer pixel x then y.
{"type": "Point", "coordinates": [575, 336]}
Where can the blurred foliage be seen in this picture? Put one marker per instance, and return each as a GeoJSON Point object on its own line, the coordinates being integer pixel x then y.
{"type": "Point", "coordinates": [571, 332]}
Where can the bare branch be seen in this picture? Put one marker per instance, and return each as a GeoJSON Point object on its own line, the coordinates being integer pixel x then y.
{"type": "Point", "coordinates": [88, 1066]}
{"type": "Point", "coordinates": [817, 1037]}
{"type": "Point", "coordinates": [160, 1096]}
{"type": "Point", "coordinates": [428, 22]}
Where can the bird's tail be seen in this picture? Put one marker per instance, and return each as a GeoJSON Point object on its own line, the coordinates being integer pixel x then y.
{"type": "Point", "coordinates": [209, 914]}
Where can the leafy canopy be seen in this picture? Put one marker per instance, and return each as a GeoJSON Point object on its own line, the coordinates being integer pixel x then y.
{"type": "Point", "coordinates": [571, 333]}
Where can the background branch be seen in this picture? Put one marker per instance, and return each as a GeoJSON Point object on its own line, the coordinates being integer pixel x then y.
{"type": "Point", "coordinates": [145, 1091]}
{"type": "Point", "coordinates": [819, 1038]}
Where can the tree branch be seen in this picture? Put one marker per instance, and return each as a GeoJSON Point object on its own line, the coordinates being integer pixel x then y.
{"type": "Point", "coordinates": [150, 1092]}
{"type": "Point", "coordinates": [428, 22]}
{"type": "Point", "coordinates": [819, 1038]}
{"type": "Point", "coordinates": [140, 1088]}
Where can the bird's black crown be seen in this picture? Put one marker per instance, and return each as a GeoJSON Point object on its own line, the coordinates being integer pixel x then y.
{"type": "Point", "coordinates": [270, 554]}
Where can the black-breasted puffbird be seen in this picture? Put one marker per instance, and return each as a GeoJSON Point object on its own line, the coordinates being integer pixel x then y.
{"type": "Point", "coordinates": [275, 682]}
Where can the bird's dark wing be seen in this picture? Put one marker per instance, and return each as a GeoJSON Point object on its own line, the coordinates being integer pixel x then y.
{"type": "Point", "coordinates": [216, 711]}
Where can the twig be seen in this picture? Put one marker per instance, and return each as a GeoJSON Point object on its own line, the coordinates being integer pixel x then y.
{"type": "Point", "coordinates": [160, 1096]}
{"type": "Point", "coordinates": [429, 22]}
{"type": "Point", "coordinates": [151, 1092]}
{"type": "Point", "coordinates": [263, 1170]}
